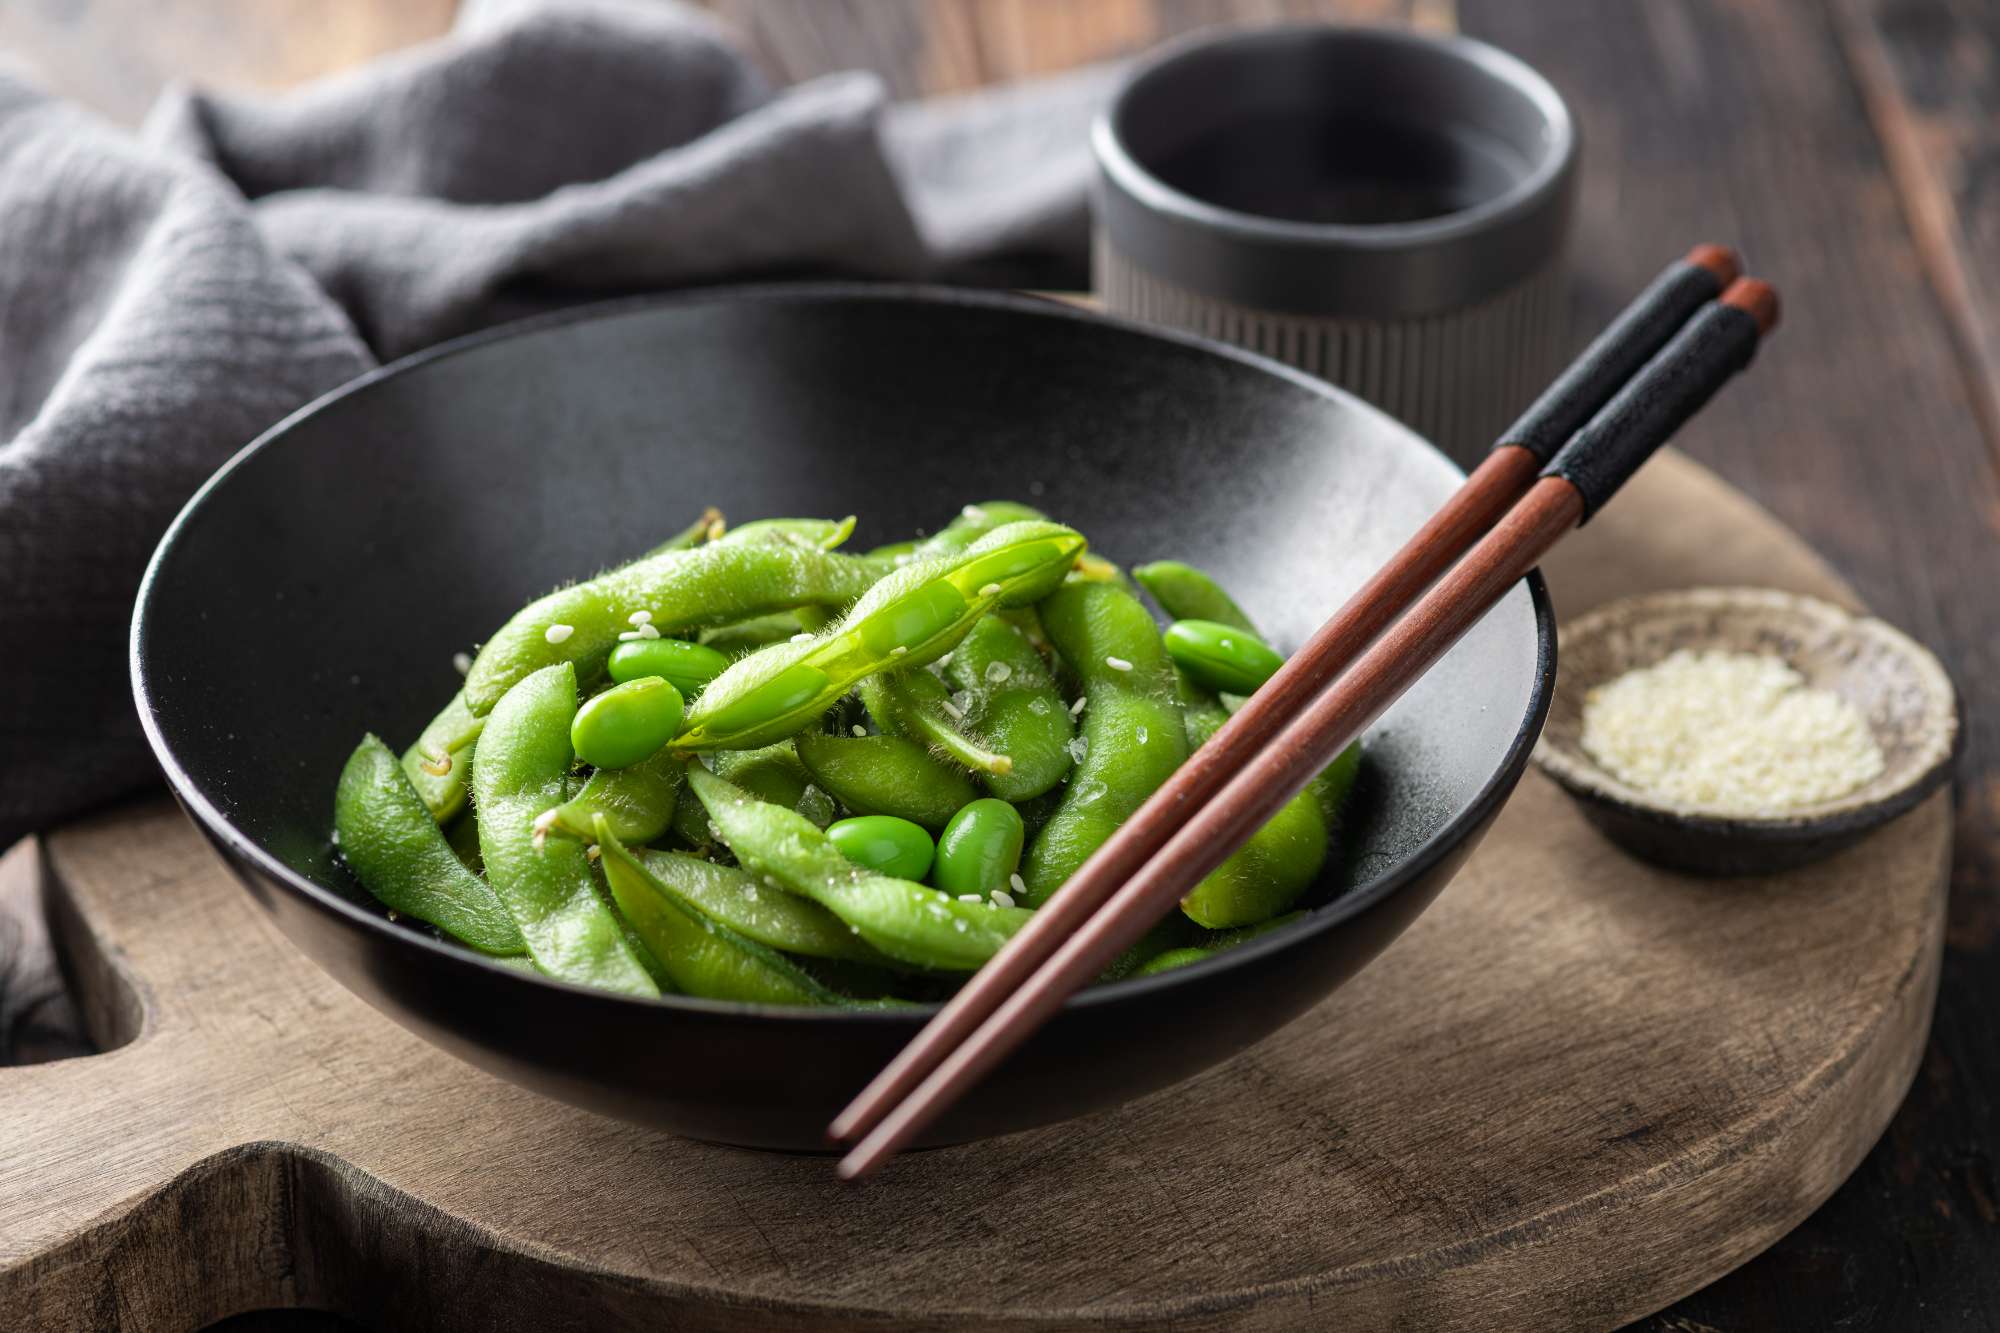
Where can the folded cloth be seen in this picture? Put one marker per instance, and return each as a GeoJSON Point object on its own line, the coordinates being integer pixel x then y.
{"type": "Point", "coordinates": [164, 299]}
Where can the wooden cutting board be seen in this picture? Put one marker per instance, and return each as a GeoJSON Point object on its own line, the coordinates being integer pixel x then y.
{"type": "Point", "coordinates": [1576, 1090]}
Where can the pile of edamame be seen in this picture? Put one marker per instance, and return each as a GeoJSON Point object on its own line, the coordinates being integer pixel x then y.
{"type": "Point", "coordinates": [752, 766]}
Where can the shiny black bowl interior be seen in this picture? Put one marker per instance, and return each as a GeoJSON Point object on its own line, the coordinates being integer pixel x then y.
{"type": "Point", "coordinates": [320, 584]}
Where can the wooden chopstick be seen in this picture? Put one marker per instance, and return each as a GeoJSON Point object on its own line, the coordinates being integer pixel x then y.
{"type": "Point", "coordinates": [1712, 347]}
{"type": "Point", "coordinates": [1589, 382]}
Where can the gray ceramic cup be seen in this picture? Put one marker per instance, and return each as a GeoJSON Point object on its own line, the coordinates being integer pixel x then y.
{"type": "Point", "coordinates": [1385, 209]}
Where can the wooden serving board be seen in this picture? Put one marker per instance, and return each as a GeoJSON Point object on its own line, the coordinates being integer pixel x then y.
{"type": "Point", "coordinates": [1576, 1090]}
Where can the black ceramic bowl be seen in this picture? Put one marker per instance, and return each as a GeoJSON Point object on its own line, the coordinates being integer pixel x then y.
{"type": "Point", "coordinates": [318, 586]}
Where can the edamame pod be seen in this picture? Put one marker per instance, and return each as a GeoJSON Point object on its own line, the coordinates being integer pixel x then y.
{"type": "Point", "coordinates": [706, 528]}
{"type": "Point", "coordinates": [638, 801]}
{"type": "Point", "coordinates": [1213, 943]}
{"type": "Point", "coordinates": [703, 956]}
{"type": "Point", "coordinates": [1186, 593]}
{"type": "Point", "coordinates": [1268, 874]}
{"type": "Point", "coordinates": [1013, 706]}
{"type": "Point", "coordinates": [544, 882]}
{"type": "Point", "coordinates": [1133, 736]}
{"type": "Point", "coordinates": [885, 843]}
{"type": "Point", "coordinates": [910, 617]}
{"type": "Point", "coordinates": [909, 922]}
{"type": "Point", "coordinates": [774, 773]}
{"type": "Point", "coordinates": [394, 847]}
{"type": "Point", "coordinates": [770, 916]}
{"type": "Point", "coordinates": [818, 534]}
{"type": "Point", "coordinates": [680, 590]}
{"type": "Point", "coordinates": [440, 763]}
{"type": "Point", "coordinates": [1221, 657]}
{"type": "Point", "coordinates": [916, 706]}
{"type": "Point", "coordinates": [971, 523]}
{"type": "Point", "coordinates": [980, 849]}
{"type": "Point", "coordinates": [885, 775]}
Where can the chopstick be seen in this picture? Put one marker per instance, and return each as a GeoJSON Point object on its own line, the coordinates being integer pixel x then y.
{"type": "Point", "coordinates": [1719, 341]}
{"type": "Point", "coordinates": [1634, 336]}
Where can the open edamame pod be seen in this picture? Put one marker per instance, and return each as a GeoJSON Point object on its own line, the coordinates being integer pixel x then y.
{"type": "Point", "coordinates": [912, 923]}
{"type": "Point", "coordinates": [702, 955]}
{"type": "Point", "coordinates": [545, 882]}
{"type": "Point", "coordinates": [395, 848]}
{"type": "Point", "coordinates": [665, 594]}
{"type": "Point", "coordinates": [909, 618]}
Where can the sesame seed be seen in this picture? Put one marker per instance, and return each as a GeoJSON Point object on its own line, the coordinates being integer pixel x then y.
{"type": "Point", "coordinates": [990, 590]}
{"type": "Point", "coordinates": [649, 631]}
{"type": "Point", "coordinates": [1002, 898]}
{"type": "Point", "coordinates": [1020, 885]}
{"type": "Point", "coordinates": [973, 514]}
{"type": "Point", "coordinates": [970, 898]}
{"type": "Point", "coordinates": [860, 730]}
{"type": "Point", "coordinates": [629, 635]}
{"type": "Point", "coordinates": [639, 618]}
{"type": "Point", "coordinates": [898, 650]}
{"type": "Point", "coordinates": [1117, 663]}
{"type": "Point", "coordinates": [461, 663]}
{"type": "Point", "coordinates": [957, 713]}
{"type": "Point", "coordinates": [1077, 707]}
{"type": "Point", "coordinates": [557, 633]}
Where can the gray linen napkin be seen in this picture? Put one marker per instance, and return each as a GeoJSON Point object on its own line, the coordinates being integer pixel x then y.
{"type": "Point", "coordinates": [165, 298]}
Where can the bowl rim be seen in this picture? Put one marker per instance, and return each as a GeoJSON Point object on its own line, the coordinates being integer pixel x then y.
{"type": "Point", "coordinates": [242, 849]}
{"type": "Point", "coordinates": [1585, 779]}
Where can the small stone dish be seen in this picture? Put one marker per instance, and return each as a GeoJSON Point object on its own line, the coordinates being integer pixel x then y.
{"type": "Point", "coordinates": [1896, 683]}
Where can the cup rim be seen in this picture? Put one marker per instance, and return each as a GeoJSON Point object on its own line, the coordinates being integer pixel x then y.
{"type": "Point", "coordinates": [1538, 202]}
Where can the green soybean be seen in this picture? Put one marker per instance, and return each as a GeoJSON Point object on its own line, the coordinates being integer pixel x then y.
{"type": "Point", "coordinates": [910, 922]}
{"type": "Point", "coordinates": [912, 616]}
{"type": "Point", "coordinates": [1012, 707]}
{"type": "Point", "coordinates": [713, 584]}
{"type": "Point", "coordinates": [771, 916]}
{"type": "Point", "coordinates": [544, 882]}
{"type": "Point", "coordinates": [394, 847]}
{"type": "Point", "coordinates": [1133, 736]}
{"type": "Point", "coordinates": [980, 849]}
{"type": "Point", "coordinates": [626, 723]}
{"type": "Point", "coordinates": [1186, 593]}
{"type": "Point", "coordinates": [1221, 657]}
{"type": "Point", "coordinates": [686, 666]}
{"type": "Point", "coordinates": [439, 764]}
{"type": "Point", "coordinates": [702, 955]}
{"type": "Point", "coordinates": [886, 775]}
{"type": "Point", "coordinates": [884, 843]}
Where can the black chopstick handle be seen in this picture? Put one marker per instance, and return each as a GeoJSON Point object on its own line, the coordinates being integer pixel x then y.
{"type": "Point", "coordinates": [1640, 330]}
{"type": "Point", "coordinates": [1673, 386]}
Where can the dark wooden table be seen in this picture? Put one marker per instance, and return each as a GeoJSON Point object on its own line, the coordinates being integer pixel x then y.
{"type": "Point", "coordinates": [1845, 146]}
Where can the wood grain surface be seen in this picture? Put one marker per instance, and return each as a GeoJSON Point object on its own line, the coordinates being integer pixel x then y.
{"type": "Point", "coordinates": [1845, 144]}
{"type": "Point", "coordinates": [1577, 1089]}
